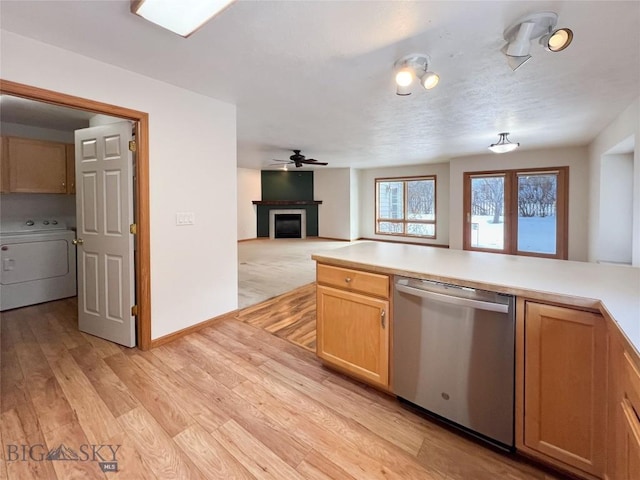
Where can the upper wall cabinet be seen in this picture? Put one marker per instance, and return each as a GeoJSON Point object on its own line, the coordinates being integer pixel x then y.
{"type": "Point", "coordinates": [34, 166]}
{"type": "Point", "coordinates": [71, 168]}
{"type": "Point", "coordinates": [4, 165]}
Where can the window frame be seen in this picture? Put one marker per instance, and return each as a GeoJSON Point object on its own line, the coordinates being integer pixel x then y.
{"type": "Point", "coordinates": [511, 211]}
{"type": "Point", "coordinates": [404, 221]}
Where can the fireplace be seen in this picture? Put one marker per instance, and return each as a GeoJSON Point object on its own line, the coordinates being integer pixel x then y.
{"type": "Point", "coordinates": [288, 223]}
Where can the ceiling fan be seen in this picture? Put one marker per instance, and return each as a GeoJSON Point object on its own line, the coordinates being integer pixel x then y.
{"type": "Point", "coordinates": [299, 160]}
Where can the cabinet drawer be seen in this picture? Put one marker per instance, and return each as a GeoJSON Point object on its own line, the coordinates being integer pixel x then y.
{"type": "Point", "coordinates": [354, 280]}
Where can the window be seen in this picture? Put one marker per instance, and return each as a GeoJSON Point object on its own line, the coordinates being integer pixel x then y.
{"type": "Point", "coordinates": [521, 212]}
{"type": "Point", "coordinates": [406, 206]}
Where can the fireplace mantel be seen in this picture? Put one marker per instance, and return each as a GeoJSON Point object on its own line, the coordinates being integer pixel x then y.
{"type": "Point", "coordinates": [286, 202]}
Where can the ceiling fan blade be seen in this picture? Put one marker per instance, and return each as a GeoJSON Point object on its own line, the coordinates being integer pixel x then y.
{"type": "Point", "coordinates": [313, 161]}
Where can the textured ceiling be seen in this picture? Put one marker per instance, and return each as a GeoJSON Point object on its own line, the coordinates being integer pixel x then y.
{"type": "Point", "coordinates": [317, 75]}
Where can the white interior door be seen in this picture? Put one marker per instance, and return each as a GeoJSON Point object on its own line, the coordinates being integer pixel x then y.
{"type": "Point", "coordinates": [104, 211]}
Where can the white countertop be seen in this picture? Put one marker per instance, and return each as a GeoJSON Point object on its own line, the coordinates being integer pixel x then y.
{"type": "Point", "coordinates": [613, 289]}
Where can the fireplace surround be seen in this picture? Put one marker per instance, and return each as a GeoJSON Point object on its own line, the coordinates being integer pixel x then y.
{"type": "Point", "coordinates": [302, 214]}
{"type": "Point", "coordinates": [265, 224]}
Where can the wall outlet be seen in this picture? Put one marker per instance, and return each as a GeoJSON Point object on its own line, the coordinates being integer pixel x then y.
{"type": "Point", "coordinates": [185, 218]}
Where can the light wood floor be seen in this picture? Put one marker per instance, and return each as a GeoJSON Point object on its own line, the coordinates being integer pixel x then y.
{"type": "Point", "coordinates": [291, 316]}
{"type": "Point", "coordinates": [231, 402]}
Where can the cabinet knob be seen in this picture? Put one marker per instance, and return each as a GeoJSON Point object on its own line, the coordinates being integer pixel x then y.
{"type": "Point", "coordinates": [382, 315]}
{"type": "Point", "coordinates": [348, 279]}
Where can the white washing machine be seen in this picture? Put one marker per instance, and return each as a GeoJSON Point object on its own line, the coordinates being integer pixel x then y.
{"type": "Point", "coordinates": [37, 262]}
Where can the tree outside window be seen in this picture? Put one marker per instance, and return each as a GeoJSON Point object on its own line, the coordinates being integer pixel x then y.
{"type": "Point", "coordinates": [522, 212]}
{"type": "Point", "coordinates": [406, 206]}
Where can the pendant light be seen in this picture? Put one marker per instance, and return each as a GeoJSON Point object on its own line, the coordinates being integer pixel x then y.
{"type": "Point", "coordinates": [503, 145]}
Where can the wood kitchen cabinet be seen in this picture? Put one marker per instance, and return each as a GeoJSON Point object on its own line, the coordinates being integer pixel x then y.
{"type": "Point", "coordinates": [623, 458]}
{"type": "Point", "coordinates": [71, 168]}
{"type": "Point", "coordinates": [4, 165]}
{"type": "Point", "coordinates": [353, 322]}
{"type": "Point", "coordinates": [563, 368]}
{"type": "Point", "coordinates": [37, 166]}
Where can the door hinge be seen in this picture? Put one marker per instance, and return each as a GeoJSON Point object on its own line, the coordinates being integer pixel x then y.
{"type": "Point", "coordinates": [133, 229]}
{"type": "Point", "coordinates": [132, 145]}
{"type": "Point", "coordinates": [134, 311]}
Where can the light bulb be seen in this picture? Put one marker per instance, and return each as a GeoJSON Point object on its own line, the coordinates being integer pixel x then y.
{"type": "Point", "coordinates": [559, 40]}
{"type": "Point", "coordinates": [404, 77]}
{"type": "Point", "coordinates": [430, 80]}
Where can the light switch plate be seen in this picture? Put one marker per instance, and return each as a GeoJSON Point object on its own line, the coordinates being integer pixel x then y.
{"type": "Point", "coordinates": [185, 218]}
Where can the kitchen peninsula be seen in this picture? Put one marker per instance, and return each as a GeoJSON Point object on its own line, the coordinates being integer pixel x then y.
{"type": "Point", "coordinates": [577, 341]}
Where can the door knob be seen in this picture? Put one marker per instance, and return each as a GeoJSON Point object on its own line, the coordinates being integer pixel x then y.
{"type": "Point", "coordinates": [77, 241]}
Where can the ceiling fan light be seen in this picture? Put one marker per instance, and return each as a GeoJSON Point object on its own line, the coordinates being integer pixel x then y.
{"type": "Point", "coordinates": [558, 40]}
{"type": "Point", "coordinates": [183, 17]}
{"type": "Point", "coordinates": [404, 77]}
{"type": "Point", "coordinates": [430, 80]}
{"type": "Point", "coordinates": [503, 145]}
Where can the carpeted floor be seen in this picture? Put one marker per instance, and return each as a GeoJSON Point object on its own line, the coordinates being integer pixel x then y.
{"type": "Point", "coordinates": [267, 268]}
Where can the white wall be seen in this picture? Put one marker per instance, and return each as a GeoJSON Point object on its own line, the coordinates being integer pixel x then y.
{"type": "Point", "coordinates": [101, 119]}
{"type": "Point", "coordinates": [249, 189]}
{"type": "Point", "coordinates": [575, 158]}
{"type": "Point", "coordinates": [333, 187]}
{"type": "Point", "coordinates": [23, 206]}
{"type": "Point", "coordinates": [37, 133]}
{"type": "Point", "coordinates": [354, 230]}
{"type": "Point", "coordinates": [367, 178]}
{"type": "Point", "coordinates": [192, 167]}
{"type": "Point", "coordinates": [616, 209]}
{"type": "Point", "coordinates": [626, 125]}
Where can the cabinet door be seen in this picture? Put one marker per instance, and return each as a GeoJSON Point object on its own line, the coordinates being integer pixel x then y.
{"type": "Point", "coordinates": [4, 165]}
{"type": "Point", "coordinates": [36, 166]}
{"type": "Point", "coordinates": [71, 168]}
{"type": "Point", "coordinates": [353, 333]}
{"type": "Point", "coordinates": [629, 460]}
{"type": "Point", "coordinates": [565, 385]}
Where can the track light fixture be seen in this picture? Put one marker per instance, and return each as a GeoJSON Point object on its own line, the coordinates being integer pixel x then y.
{"type": "Point", "coordinates": [537, 25]}
{"type": "Point", "coordinates": [413, 67]}
{"type": "Point", "coordinates": [503, 145]}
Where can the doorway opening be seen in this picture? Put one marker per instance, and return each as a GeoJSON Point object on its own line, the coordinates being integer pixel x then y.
{"type": "Point", "coordinates": [615, 234]}
{"type": "Point", "coordinates": [140, 192]}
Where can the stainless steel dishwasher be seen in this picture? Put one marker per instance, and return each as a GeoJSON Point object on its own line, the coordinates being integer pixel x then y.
{"type": "Point", "coordinates": [454, 355]}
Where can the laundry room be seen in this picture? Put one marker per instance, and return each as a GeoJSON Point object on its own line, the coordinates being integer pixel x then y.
{"type": "Point", "coordinates": [38, 201]}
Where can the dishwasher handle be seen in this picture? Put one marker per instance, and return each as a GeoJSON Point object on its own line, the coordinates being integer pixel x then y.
{"type": "Point", "coordinates": [464, 302]}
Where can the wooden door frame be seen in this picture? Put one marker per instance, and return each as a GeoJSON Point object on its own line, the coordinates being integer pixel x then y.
{"type": "Point", "coordinates": [142, 238]}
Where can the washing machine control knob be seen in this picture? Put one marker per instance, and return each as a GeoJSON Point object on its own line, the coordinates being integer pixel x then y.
{"type": "Point", "coordinates": [46, 222]}
{"type": "Point", "coordinates": [30, 223]}
{"type": "Point", "coordinates": [54, 222]}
